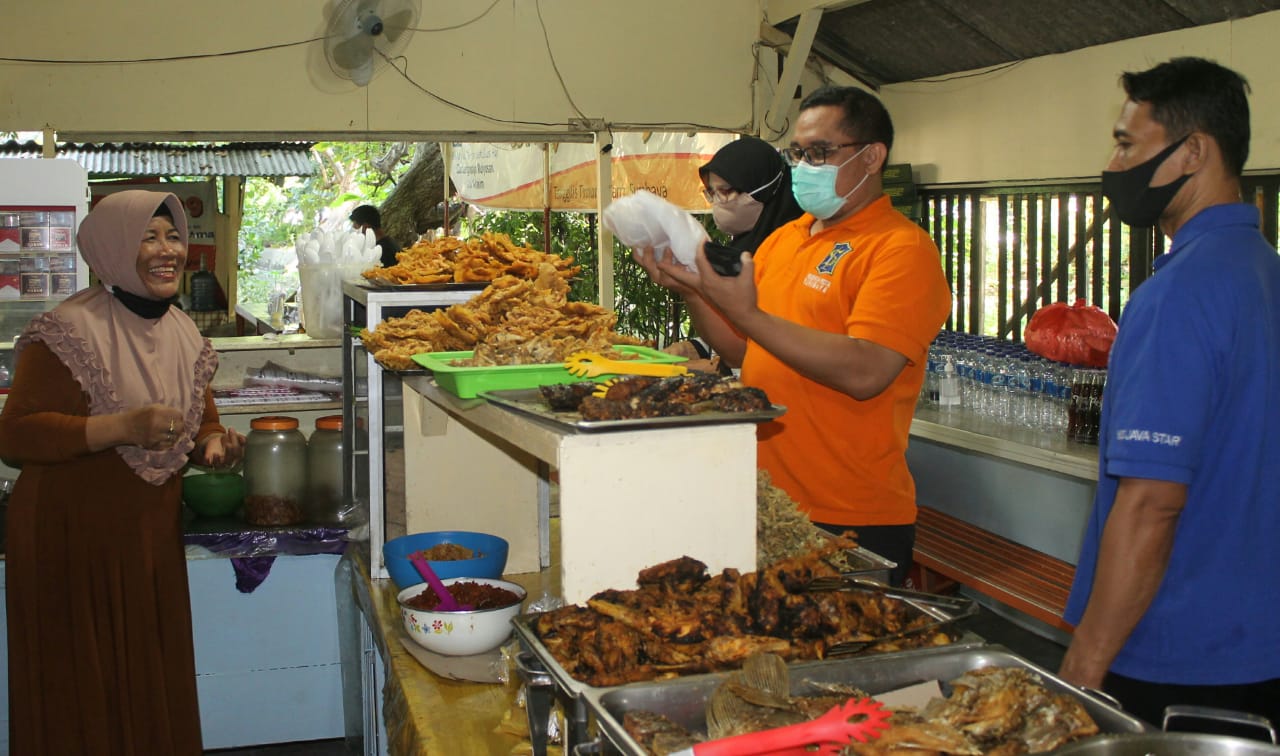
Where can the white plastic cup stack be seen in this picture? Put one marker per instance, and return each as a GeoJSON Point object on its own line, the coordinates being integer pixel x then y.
{"type": "Point", "coordinates": [325, 260]}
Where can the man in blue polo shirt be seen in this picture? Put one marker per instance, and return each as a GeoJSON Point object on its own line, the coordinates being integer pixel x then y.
{"type": "Point", "coordinates": [1177, 590]}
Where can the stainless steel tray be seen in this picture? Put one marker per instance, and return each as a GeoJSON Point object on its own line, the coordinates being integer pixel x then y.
{"type": "Point", "coordinates": [540, 659]}
{"type": "Point", "coordinates": [683, 700]}
{"type": "Point", "coordinates": [868, 564]}
{"type": "Point", "coordinates": [530, 402]}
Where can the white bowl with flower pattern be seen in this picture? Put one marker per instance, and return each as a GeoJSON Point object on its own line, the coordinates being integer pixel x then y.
{"type": "Point", "coordinates": [460, 633]}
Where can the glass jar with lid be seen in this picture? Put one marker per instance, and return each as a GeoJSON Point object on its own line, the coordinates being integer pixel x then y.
{"type": "Point", "coordinates": [324, 503]}
{"type": "Point", "coordinates": [275, 471]}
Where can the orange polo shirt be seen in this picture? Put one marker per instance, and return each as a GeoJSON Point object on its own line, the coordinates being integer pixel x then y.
{"type": "Point", "coordinates": [874, 276]}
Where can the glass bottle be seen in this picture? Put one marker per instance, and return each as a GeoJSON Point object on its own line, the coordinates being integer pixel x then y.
{"type": "Point", "coordinates": [275, 471]}
{"type": "Point", "coordinates": [324, 503]}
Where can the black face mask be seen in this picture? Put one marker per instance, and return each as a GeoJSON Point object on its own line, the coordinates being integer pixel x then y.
{"type": "Point", "coordinates": [141, 306]}
{"type": "Point", "coordinates": [1136, 202]}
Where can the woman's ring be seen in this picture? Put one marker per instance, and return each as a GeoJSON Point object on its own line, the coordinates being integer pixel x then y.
{"type": "Point", "coordinates": [170, 427]}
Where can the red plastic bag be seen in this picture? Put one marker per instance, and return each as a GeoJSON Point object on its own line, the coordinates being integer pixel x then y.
{"type": "Point", "coordinates": [1080, 334]}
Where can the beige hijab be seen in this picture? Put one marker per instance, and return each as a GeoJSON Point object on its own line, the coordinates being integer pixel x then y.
{"type": "Point", "coordinates": [121, 360]}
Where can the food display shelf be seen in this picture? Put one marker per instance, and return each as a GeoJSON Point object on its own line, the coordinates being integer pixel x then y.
{"type": "Point", "coordinates": [371, 415]}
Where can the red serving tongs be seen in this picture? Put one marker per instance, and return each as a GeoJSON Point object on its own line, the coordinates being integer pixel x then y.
{"type": "Point", "coordinates": [830, 732]}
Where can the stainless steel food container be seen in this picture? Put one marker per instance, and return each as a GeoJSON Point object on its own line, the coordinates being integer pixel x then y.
{"type": "Point", "coordinates": [868, 564]}
{"type": "Point", "coordinates": [684, 700]}
{"type": "Point", "coordinates": [1168, 744]}
{"type": "Point", "coordinates": [546, 681]}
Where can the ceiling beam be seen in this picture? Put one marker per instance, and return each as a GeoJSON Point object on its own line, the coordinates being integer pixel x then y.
{"type": "Point", "coordinates": [777, 11]}
{"type": "Point", "coordinates": [775, 118]}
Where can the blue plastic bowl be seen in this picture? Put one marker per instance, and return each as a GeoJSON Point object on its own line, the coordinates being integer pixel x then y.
{"type": "Point", "coordinates": [490, 562]}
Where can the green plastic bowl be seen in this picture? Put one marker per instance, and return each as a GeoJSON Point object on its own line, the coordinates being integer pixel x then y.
{"type": "Point", "coordinates": [213, 494]}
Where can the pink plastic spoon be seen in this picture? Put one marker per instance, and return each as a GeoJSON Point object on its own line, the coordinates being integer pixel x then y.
{"type": "Point", "coordinates": [447, 602]}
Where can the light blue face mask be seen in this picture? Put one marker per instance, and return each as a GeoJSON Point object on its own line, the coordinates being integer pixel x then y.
{"type": "Point", "coordinates": [814, 187]}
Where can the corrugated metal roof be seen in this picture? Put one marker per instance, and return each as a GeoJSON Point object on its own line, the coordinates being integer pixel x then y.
{"type": "Point", "coordinates": [890, 41]}
{"type": "Point", "coordinates": [140, 159]}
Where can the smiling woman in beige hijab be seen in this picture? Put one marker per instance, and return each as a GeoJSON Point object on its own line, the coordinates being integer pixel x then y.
{"type": "Point", "coordinates": [110, 400]}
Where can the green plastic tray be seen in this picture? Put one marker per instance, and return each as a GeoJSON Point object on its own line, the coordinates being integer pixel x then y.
{"type": "Point", "coordinates": [467, 382]}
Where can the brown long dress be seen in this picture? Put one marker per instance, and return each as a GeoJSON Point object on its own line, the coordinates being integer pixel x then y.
{"type": "Point", "coordinates": [101, 659]}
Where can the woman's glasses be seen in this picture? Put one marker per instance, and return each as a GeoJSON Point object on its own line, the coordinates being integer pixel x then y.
{"type": "Point", "coordinates": [715, 196]}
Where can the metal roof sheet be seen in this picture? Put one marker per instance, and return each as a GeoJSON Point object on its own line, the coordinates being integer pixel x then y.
{"type": "Point", "coordinates": [145, 159]}
{"type": "Point", "coordinates": [890, 41]}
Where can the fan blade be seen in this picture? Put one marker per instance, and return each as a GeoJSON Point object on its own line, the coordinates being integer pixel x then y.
{"type": "Point", "coordinates": [367, 6]}
{"type": "Point", "coordinates": [353, 52]}
{"type": "Point", "coordinates": [362, 74]}
{"type": "Point", "coordinates": [396, 24]}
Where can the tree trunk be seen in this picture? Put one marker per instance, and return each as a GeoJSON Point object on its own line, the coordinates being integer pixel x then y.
{"type": "Point", "coordinates": [416, 204]}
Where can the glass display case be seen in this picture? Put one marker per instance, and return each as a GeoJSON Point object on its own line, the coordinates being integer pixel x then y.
{"type": "Point", "coordinates": [372, 415]}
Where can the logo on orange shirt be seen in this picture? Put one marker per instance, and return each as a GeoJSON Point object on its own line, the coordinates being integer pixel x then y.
{"type": "Point", "coordinates": [828, 264]}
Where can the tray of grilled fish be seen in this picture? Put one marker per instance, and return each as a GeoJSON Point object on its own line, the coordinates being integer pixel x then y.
{"type": "Point", "coordinates": [680, 620]}
{"type": "Point", "coordinates": [991, 701]}
{"type": "Point", "coordinates": [642, 402]}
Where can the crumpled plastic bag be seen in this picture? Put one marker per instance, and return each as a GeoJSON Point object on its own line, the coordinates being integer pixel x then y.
{"type": "Point", "coordinates": [1079, 334]}
{"type": "Point", "coordinates": [644, 220]}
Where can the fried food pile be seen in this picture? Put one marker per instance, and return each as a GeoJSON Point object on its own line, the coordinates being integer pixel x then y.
{"type": "Point", "coordinates": [782, 530]}
{"type": "Point", "coordinates": [681, 621]}
{"type": "Point", "coordinates": [514, 321]}
{"type": "Point", "coordinates": [991, 710]}
{"type": "Point", "coordinates": [641, 396]}
{"type": "Point", "coordinates": [449, 259]}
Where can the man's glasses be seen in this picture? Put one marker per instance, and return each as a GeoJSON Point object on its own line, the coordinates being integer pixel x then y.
{"type": "Point", "coordinates": [816, 155]}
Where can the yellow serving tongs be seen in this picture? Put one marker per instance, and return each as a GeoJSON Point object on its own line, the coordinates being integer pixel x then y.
{"type": "Point", "coordinates": [590, 365]}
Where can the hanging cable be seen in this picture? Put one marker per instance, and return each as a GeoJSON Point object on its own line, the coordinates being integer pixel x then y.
{"type": "Point", "coordinates": [537, 5]}
{"type": "Point", "coordinates": [464, 23]}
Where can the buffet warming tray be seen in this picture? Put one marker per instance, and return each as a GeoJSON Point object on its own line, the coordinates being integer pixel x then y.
{"type": "Point", "coordinates": [683, 700]}
{"type": "Point", "coordinates": [547, 681]}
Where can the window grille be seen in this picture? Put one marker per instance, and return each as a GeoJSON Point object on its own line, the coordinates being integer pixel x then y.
{"type": "Point", "coordinates": [1009, 250]}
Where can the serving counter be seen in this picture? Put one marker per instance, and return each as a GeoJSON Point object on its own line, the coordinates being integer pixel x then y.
{"type": "Point", "coordinates": [628, 499]}
{"type": "Point", "coordinates": [407, 708]}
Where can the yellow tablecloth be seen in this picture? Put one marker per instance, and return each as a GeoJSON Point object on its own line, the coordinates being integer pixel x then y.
{"type": "Point", "coordinates": [428, 714]}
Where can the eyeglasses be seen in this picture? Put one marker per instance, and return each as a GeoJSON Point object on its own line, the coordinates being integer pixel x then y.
{"type": "Point", "coordinates": [816, 155]}
{"type": "Point", "coordinates": [720, 195]}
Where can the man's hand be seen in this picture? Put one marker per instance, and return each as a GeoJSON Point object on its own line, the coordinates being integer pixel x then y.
{"type": "Point", "coordinates": [657, 266]}
{"type": "Point", "coordinates": [733, 296]}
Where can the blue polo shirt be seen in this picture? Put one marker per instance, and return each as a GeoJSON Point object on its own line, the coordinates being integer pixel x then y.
{"type": "Point", "coordinates": [1193, 397]}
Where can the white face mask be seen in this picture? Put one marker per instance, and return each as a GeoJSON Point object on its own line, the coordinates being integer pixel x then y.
{"type": "Point", "coordinates": [737, 215]}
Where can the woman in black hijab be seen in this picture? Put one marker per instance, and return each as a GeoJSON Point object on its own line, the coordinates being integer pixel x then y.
{"type": "Point", "coordinates": [749, 187]}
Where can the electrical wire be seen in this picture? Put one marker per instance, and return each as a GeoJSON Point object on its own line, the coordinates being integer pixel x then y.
{"type": "Point", "coordinates": [450, 103]}
{"type": "Point", "coordinates": [228, 53]}
{"type": "Point", "coordinates": [195, 56]}
{"type": "Point", "coordinates": [464, 23]}
{"type": "Point", "coordinates": [537, 5]}
{"type": "Point", "coordinates": [970, 75]}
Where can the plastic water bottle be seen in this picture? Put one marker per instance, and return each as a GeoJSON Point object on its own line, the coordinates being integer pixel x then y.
{"type": "Point", "coordinates": [1035, 395]}
{"type": "Point", "coordinates": [948, 387]}
{"type": "Point", "coordinates": [1021, 399]}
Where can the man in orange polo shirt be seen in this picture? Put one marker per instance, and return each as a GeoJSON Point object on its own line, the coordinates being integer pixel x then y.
{"type": "Point", "coordinates": [832, 318]}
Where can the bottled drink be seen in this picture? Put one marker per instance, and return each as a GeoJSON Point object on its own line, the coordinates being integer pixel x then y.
{"type": "Point", "coordinates": [948, 387]}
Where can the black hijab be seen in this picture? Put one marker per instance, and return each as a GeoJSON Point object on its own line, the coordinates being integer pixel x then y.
{"type": "Point", "coordinates": [749, 163]}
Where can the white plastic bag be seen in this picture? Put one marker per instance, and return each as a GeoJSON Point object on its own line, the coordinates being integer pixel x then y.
{"type": "Point", "coordinates": [646, 221]}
